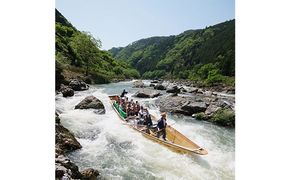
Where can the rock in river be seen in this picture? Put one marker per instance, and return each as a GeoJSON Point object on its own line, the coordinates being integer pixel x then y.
{"type": "Point", "coordinates": [138, 84]}
{"type": "Point", "coordinates": [174, 89]}
{"type": "Point", "coordinates": [147, 93]}
{"type": "Point", "coordinates": [66, 91]}
{"type": "Point", "coordinates": [159, 87]}
{"type": "Point", "coordinates": [90, 174]}
{"type": "Point", "coordinates": [194, 107]}
{"type": "Point", "coordinates": [91, 102]}
{"type": "Point", "coordinates": [65, 169]}
{"type": "Point", "coordinates": [65, 140]}
{"type": "Point", "coordinates": [78, 85]}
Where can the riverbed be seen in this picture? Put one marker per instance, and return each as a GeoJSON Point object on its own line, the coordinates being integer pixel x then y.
{"type": "Point", "coordinates": [119, 152]}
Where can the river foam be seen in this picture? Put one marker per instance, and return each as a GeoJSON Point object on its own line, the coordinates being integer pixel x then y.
{"type": "Point", "coordinates": [119, 152]}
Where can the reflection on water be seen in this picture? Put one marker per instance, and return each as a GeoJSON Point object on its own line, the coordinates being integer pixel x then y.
{"type": "Point", "coordinates": [121, 153]}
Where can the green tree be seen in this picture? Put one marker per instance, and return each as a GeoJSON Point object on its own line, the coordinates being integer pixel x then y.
{"type": "Point", "coordinates": [86, 47]}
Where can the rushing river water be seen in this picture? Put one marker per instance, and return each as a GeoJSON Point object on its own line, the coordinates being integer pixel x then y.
{"type": "Point", "coordinates": [119, 152]}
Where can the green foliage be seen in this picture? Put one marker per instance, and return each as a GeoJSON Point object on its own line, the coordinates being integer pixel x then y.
{"type": "Point", "coordinates": [80, 52]}
{"type": "Point", "coordinates": [225, 117]}
{"type": "Point", "coordinates": [154, 74]}
{"type": "Point", "coordinates": [182, 55]}
{"type": "Point", "coordinates": [85, 46]}
{"type": "Point", "coordinates": [128, 73]}
{"type": "Point", "coordinates": [201, 116]}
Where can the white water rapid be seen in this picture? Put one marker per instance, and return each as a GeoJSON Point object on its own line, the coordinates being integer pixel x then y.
{"type": "Point", "coordinates": [119, 152]}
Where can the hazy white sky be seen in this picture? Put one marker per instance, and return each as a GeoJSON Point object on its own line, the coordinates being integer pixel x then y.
{"type": "Point", "coordinates": [120, 22]}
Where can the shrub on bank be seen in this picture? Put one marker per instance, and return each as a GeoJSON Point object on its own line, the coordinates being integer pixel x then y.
{"type": "Point", "coordinates": [224, 117]}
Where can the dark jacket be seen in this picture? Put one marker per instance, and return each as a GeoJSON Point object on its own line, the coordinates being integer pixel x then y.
{"type": "Point", "coordinates": [148, 120]}
{"type": "Point", "coordinates": [123, 93]}
{"type": "Point", "coordinates": [161, 123]}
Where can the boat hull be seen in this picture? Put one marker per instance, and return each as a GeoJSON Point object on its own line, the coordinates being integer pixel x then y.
{"type": "Point", "coordinates": [184, 146]}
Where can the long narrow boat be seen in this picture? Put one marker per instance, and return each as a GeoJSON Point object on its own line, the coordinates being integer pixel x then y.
{"type": "Point", "coordinates": [175, 140]}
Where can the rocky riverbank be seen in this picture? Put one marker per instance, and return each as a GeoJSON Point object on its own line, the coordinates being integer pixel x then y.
{"type": "Point", "coordinates": [183, 97]}
{"type": "Point", "coordinates": [66, 142]}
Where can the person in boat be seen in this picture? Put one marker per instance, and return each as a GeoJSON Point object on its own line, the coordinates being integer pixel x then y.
{"type": "Point", "coordinates": [138, 107]}
{"type": "Point", "coordinates": [141, 112]}
{"type": "Point", "coordinates": [162, 126]}
{"type": "Point", "coordinates": [136, 111]}
{"type": "Point", "coordinates": [126, 100]}
{"type": "Point", "coordinates": [118, 100]}
{"type": "Point", "coordinates": [123, 105]}
{"type": "Point", "coordinates": [123, 93]}
{"type": "Point", "coordinates": [131, 112]}
{"type": "Point", "coordinates": [147, 118]}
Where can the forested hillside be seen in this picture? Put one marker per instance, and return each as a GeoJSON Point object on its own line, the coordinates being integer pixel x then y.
{"type": "Point", "coordinates": [78, 54]}
{"type": "Point", "coordinates": [203, 55]}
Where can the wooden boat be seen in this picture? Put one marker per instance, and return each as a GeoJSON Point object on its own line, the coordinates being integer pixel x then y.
{"type": "Point", "coordinates": [175, 140]}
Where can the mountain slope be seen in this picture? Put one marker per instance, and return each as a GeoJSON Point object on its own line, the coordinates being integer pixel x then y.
{"type": "Point", "coordinates": [78, 54]}
{"type": "Point", "coordinates": [181, 56]}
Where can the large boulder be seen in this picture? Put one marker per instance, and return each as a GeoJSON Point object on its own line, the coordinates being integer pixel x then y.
{"type": "Point", "coordinates": [194, 107]}
{"type": "Point", "coordinates": [66, 91]}
{"type": "Point", "coordinates": [65, 140]}
{"type": "Point", "coordinates": [159, 87]}
{"type": "Point", "coordinates": [65, 169]}
{"type": "Point", "coordinates": [138, 84]}
{"type": "Point", "coordinates": [78, 85]}
{"type": "Point", "coordinates": [147, 93]}
{"type": "Point", "coordinates": [90, 174]}
{"type": "Point", "coordinates": [91, 102]}
{"type": "Point", "coordinates": [173, 89]}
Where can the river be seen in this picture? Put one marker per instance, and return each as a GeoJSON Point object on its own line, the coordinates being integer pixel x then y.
{"type": "Point", "coordinates": [119, 152]}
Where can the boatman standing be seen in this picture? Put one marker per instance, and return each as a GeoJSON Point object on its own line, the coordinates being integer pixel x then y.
{"type": "Point", "coordinates": [123, 93]}
{"type": "Point", "coordinates": [162, 126]}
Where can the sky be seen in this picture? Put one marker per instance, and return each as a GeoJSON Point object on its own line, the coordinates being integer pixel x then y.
{"type": "Point", "coordinates": [118, 23]}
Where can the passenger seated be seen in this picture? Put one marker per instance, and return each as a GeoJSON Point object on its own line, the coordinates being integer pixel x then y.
{"type": "Point", "coordinates": [138, 106]}
{"type": "Point", "coordinates": [136, 111]}
{"type": "Point", "coordinates": [132, 110]}
{"type": "Point", "coordinates": [141, 112]}
{"type": "Point", "coordinates": [147, 118]}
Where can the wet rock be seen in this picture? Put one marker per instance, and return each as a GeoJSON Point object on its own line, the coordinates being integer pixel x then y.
{"type": "Point", "coordinates": [182, 89]}
{"type": "Point", "coordinates": [91, 102]}
{"type": "Point", "coordinates": [147, 93]}
{"type": "Point", "coordinates": [65, 168]}
{"type": "Point", "coordinates": [90, 174]}
{"type": "Point", "coordinates": [78, 85]}
{"type": "Point", "coordinates": [192, 90]}
{"type": "Point", "coordinates": [159, 87]}
{"type": "Point", "coordinates": [138, 84]}
{"type": "Point", "coordinates": [66, 91]}
{"type": "Point", "coordinates": [211, 109]}
{"type": "Point", "coordinates": [155, 81]}
{"type": "Point", "coordinates": [199, 91]}
{"type": "Point", "coordinates": [57, 119]}
{"type": "Point", "coordinates": [208, 93]}
{"type": "Point", "coordinates": [194, 107]}
{"type": "Point", "coordinates": [65, 140]}
{"type": "Point", "coordinates": [152, 85]}
{"type": "Point", "coordinates": [173, 89]}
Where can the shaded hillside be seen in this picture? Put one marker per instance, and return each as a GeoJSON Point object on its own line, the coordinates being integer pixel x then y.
{"type": "Point", "coordinates": [193, 54]}
{"type": "Point", "coordinates": [78, 54]}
